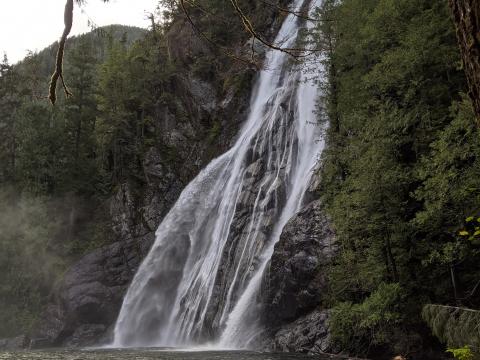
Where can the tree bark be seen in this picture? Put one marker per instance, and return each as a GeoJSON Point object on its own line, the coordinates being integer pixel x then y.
{"type": "Point", "coordinates": [58, 74]}
{"type": "Point", "coordinates": [466, 14]}
{"type": "Point", "coordinates": [453, 278]}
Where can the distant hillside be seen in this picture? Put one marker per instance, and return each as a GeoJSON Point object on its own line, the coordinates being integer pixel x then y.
{"type": "Point", "coordinates": [98, 39]}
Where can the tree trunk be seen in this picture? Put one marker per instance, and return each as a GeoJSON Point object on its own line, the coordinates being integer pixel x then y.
{"type": "Point", "coordinates": [466, 14]}
{"type": "Point", "coordinates": [453, 278]}
{"type": "Point", "coordinates": [392, 261]}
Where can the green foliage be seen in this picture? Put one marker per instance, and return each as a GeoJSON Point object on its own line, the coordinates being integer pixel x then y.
{"type": "Point", "coordinates": [29, 259]}
{"type": "Point", "coordinates": [462, 246]}
{"type": "Point", "coordinates": [457, 327]}
{"type": "Point", "coordinates": [9, 104]}
{"type": "Point", "coordinates": [401, 172]}
{"type": "Point", "coordinates": [214, 131]}
{"type": "Point", "coordinates": [97, 40]}
{"type": "Point", "coordinates": [471, 230]}
{"type": "Point", "coordinates": [39, 167]}
{"type": "Point", "coordinates": [463, 353]}
{"type": "Point", "coordinates": [52, 181]}
{"type": "Point", "coordinates": [128, 85]}
{"type": "Point", "coordinates": [359, 326]}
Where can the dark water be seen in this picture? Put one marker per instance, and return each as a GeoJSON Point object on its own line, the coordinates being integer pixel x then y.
{"type": "Point", "coordinates": [149, 355]}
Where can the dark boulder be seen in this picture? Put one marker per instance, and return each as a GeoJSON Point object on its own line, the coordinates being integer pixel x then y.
{"type": "Point", "coordinates": [296, 282]}
{"type": "Point", "coordinates": [86, 335]}
{"type": "Point", "coordinates": [296, 278]}
{"type": "Point", "coordinates": [90, 296]}
{"type": "Point", "coordinates": [309, 334]}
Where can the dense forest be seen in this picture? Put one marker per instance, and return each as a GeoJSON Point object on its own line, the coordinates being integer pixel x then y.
{"type": "Point", "coordinates": [58, 163]}
{"type": "Point", "coordinates": [400, 177]}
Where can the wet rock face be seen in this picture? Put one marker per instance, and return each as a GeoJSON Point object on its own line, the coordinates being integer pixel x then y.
{"type": "Point", "coordinates": [86, 335]}
{"type": "Point", "coordinates": [91, 294]}
{"type": "Point", "coordinates": [309, 334]}
{"type": "Point", "coordinates": [261, 197]}
{"type": "Point", "coordinates": [296, 278]}
{"type": "Point", "coordinates": [296, 281]}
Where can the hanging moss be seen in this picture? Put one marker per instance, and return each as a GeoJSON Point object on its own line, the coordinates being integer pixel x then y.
{"type": "Point", "coordinates": [457, 327]}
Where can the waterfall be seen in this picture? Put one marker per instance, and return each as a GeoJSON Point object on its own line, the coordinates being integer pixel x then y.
{"type": "Point", "coordinates": [201, 280]}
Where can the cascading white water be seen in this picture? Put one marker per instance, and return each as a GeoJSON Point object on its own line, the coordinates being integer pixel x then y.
{"type": "Point", "coordinates": [200, 281]}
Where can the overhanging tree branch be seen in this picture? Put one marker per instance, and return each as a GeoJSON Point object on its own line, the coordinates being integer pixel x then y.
{"type": "Point", "coordinates": [300, 14]}
{"type": "Point", "coordinates": [224, 49]}
{"type": "Point", "coordinates": [295, 53]}
{"type": "Point", "coordinates": [251, 30]}
{"type": "Point", "coordinates": [58, 73]}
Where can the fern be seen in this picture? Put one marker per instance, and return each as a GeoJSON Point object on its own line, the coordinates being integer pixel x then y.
{"type": "Point", "coordinates": [462, 354]}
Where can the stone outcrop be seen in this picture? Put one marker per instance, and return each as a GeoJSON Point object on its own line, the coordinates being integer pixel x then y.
{"type": "Point", "coordinates": [90, 296]}
{"type": "Point", "coordinates": [309, 334]}
{"type": "Point", "coordinates": [296, 281]}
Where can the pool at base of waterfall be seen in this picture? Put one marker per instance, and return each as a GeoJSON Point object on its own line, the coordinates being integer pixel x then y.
{"type": "Point", "coordinates": [150, 354]}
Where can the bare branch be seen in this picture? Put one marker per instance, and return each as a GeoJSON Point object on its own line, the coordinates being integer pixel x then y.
{"type": "Point", "coordinates": [207, 12]}
{"type": "Point", "coordinates": [224, 49]}
{"type": "Point", "coordinates": [68, 19]}
{"type": "Point", "coordinates": [300, 14]}
{"type": "Point", "coordinates": [296, 53]}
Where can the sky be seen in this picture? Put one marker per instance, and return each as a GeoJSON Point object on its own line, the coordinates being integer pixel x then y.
{"type": "Point", "coordinates": [35, 24]}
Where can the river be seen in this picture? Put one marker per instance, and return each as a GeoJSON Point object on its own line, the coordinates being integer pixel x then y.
{"type": "Point", "coordinates": [147, 354]}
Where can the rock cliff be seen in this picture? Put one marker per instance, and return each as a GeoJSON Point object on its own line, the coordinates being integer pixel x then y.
{"type": "Point", "coordinates": [296, 281]}
{"type": "Point", "coordinates": [86, 302]}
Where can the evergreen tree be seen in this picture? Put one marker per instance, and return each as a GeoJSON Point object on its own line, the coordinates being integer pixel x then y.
{"type": "Point", "coordinates": [401, 170]}
{"type": "Point", "coordinates": [9, 104]}
{"type": "Point", "coordinates": [80, 112]}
